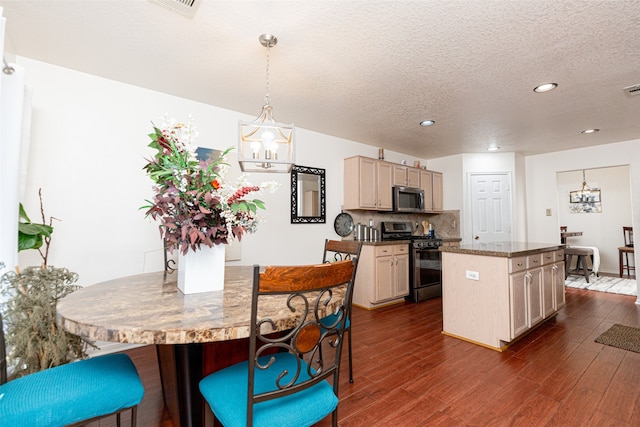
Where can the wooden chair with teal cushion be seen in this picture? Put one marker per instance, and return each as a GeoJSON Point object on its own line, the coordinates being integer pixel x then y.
{"type": "Point", "coordinates": [284, 382]}
{"type": "Point", "coordinates": [71, 394]}
{"type": "Point", "coordinates": [339, 250]}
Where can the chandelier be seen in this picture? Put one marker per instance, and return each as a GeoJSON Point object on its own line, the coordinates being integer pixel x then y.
{"type": "Point", "coordinates": [263, 144]}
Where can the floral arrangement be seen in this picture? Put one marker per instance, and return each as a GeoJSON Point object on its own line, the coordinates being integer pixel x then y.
{"type": "Point", "coordinates": [194, 204]}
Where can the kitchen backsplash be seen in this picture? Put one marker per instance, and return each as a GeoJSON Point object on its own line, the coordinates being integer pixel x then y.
{"type": "Point", "coordinates": [446, 223]}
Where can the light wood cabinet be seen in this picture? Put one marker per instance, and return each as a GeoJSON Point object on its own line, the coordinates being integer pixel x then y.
{"type": "Point", "coordinates": [426, 184]}
{"type": "Point", "coordinates": [492, 300]}
{"type": "Point", "coordinates": [406, 176]}
{"type": "Point", "coordinates": [437, 192]}
{"type": "Point", "coordinates": [431, 184]}
{"type": "Point", "coordinates": [383, 275]}
{"type": "Point", "coordinates": [367, 184]}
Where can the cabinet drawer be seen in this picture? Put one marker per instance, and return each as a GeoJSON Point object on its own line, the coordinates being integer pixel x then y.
{"type": "Point", "coordinates": [534, 261]}
{"type": "Point", "coordinates": [517, 264]}
{"type": "Point", "coordinates": [548, 257]}
{"type": "Point", "coordinates": [559, 255]}
{"type": "Point", "coordinates": [384, 250]}
{"type": "Point", "coordinates": [401, 249]}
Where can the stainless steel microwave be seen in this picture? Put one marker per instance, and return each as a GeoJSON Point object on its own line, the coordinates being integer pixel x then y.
{"type": "Point", "coordinates": [407, 199]}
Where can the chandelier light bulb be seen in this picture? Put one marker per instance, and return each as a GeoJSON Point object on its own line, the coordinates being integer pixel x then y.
{"type": "Point", "coordinates": [255, 146]}
{"type": "Point", "coordinates": [267, 140]}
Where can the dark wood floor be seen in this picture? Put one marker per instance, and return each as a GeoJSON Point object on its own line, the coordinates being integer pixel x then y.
{"type": "Point", "coordinates": [408, 374]}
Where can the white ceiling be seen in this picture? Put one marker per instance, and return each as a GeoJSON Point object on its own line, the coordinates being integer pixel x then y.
{"type": "Point", "coordinates": [369, 71]}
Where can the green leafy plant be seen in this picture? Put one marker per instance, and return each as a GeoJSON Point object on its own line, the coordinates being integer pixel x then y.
{"type": "Point", "coordinates": [193, 202]}
{"type": "Point", "coordinates": [34, 236]}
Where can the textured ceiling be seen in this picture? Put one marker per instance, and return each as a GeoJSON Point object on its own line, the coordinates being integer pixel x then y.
{"type": "Point", "coordinates": [369, 71]}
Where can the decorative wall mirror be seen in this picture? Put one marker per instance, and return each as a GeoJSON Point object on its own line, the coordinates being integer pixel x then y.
{"type": "Point", "coordinates": [307, 195]}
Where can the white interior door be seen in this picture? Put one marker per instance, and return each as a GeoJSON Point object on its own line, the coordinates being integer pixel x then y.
{"type": "Point", "coordinates": [491, 207]}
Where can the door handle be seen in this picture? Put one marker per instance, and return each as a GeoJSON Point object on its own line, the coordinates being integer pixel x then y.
{"type": "Point", "coordinates": [476, 237]}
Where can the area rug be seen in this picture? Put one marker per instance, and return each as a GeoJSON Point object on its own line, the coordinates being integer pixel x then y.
{"type": "Point", "coordinates": [614, 285]}
{"type": "Point", "coordinates": [620, 336]}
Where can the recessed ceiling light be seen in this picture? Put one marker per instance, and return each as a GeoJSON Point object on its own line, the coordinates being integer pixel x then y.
{"type": "Point", "coordinates": [545, 87]}
{"type": "Point", "coordinates": [427, 122]}
{"type": "Point", "coordinates": [590, 131]}
{"type": "Point", "coordinates": [493, 148]}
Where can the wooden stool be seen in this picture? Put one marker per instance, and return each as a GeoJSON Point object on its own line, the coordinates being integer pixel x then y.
{"type": "Point", "coordinates": [623, 256]}
{"type": "Point", "coordinates": [581, 263]}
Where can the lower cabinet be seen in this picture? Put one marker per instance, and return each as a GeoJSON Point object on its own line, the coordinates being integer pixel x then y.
{"type": "Point", "coordinates": [536, 292]}
{"type": "Point", "coordinates": [383, 275]}
{"type": "Point", "coordinates": [526, 296]}
{"type": "Point", "coordinates": [492, 300]}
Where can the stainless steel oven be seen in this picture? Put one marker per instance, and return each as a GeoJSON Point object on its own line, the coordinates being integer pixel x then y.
{"type": "Point", "coordinates": [425, 264]}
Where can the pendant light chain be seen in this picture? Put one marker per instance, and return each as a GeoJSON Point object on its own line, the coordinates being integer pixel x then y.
{"type": "Point", "coordinates": [266, 96]}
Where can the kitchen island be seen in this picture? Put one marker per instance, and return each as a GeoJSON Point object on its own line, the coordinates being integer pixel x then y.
{"type": "Point", "coordinates": [494, 293]}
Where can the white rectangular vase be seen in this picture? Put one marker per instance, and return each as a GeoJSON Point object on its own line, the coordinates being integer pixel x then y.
{"type": "Point", "coordinates": [202, 270]}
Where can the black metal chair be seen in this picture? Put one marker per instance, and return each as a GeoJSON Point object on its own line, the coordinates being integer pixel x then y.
{"type": "Point", "coordinates": [71, 394]}
{"type": "Point", "coordinates": [284, 381]}
{"type": "Point", "coordinates": [339, 250]}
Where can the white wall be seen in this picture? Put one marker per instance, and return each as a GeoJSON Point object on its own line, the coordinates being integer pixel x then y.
{"type": "Point", "coordinates": [535, 190]}
{"type": "Point", "coordinates": [89, 142]}
{"type": "Point", "coordinates": [602, 230]}
{"type": "Point", "coordinates": [456, 172]}
{"type": "Point", "coordinates": [542, 182]}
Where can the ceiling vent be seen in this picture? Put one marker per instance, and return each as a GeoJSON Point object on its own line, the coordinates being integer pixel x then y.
{"type": "Point", "coordinates": [185, 7]}
{"type": "Point", "coordinates": [632, 90]}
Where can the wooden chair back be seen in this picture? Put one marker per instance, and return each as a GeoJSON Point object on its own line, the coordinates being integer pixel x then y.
{"type": "Point", "coordinates": [310, 292]}
{"type": "Point", "coordinates": [628, 236]}
{"type": "Point", "coordinates": [339, 250]}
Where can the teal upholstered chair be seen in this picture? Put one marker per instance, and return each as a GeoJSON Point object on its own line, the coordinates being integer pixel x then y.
{"type": "Point", "coordinates": [339, 250]}
{"type": "Point", "coordinates": [74, 393]}
{"type": "Point", "coordinates": [284, 381]}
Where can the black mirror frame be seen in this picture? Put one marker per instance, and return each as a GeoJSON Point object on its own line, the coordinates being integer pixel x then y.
{"type": "Point", "coordinates": [295, 219]}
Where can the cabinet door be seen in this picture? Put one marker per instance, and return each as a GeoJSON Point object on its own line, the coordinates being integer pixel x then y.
{"type": "Point", "coordinates": [368, 183]}
{"type": "Point", "coordinates": [426, 184]}
{"type": "Point", "coordinates": [385, 178]}
{"type": "Point", "coordinates": [548, 297]}
{"type": "Point", "coordinates": [437, 192]}
{"type": "Point", "coordinates": [402, 275]}
{"type": "Point", "coordinates": [518, 303]}
{"type": "Point", "coordinates": [558, 285]}
{"type": "Point", "coordinates": [535, 296]}
{"type": "Point", "coordinates": [385, 278]}
{"type": "Point", "coordinates": [413, 177]}
{"type": "Point", "coordinates": [399, 175]}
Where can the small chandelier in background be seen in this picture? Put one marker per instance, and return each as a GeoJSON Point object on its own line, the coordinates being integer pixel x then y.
{"type": "Point", "coordinates": [263, 144]}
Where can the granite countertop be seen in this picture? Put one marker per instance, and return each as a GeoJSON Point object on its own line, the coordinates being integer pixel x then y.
{"type": "Point", "coordinates": [399, 242]}
{"type": "Point", "coordinates": [502, 249]}
{"type": "Point", "coordinates": [149, 309]}
{"type": "Point", "coordinates": [386, 243]}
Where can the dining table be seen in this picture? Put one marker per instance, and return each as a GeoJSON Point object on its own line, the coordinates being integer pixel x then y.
{"type": "Point", "coordinates": [194, 334]}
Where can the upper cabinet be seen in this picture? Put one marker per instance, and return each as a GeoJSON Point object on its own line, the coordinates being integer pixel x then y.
{"type": "Point", "coordinates": [426, 184]}
{"type": "Point", "coordinates": [406, 176]}
{"type": "Point", "coordinates": [368, 182]}
{"type": "Point", "coordinates": [437, 194]}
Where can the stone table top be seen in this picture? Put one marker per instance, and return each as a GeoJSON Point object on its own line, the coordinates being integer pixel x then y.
{"type": "Point", "coordinates": [150, 309]}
